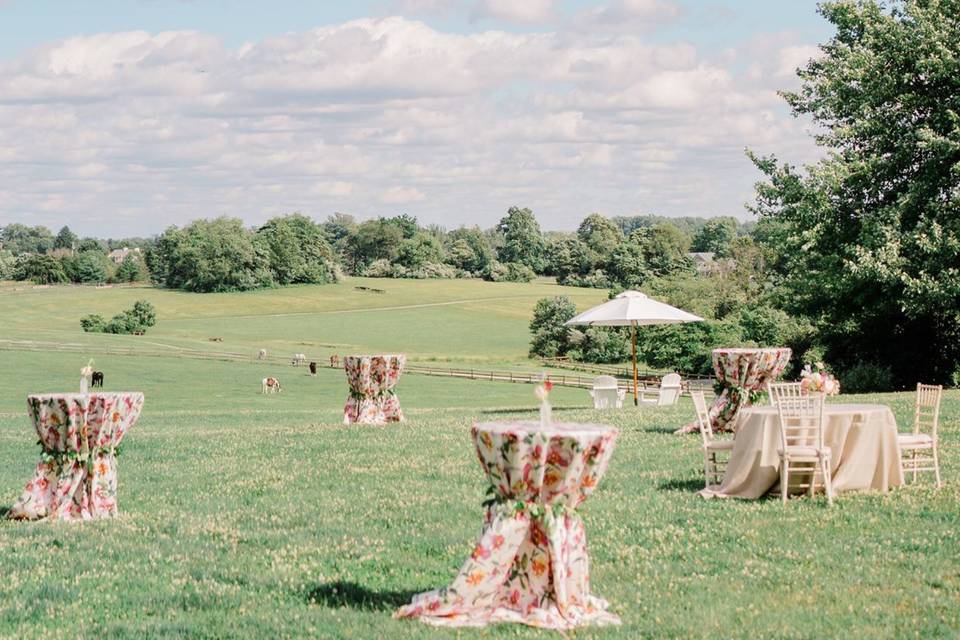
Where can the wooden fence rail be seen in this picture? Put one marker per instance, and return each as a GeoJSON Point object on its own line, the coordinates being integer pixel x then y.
{"type": "Point", "coordinates": [563, 380]}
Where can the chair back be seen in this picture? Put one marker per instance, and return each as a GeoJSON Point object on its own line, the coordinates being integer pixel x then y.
{"type": "Point", "coordinates": [801, 420]}
{"type": "Point", "coordinates": [605, 397]}
{"type": "Point", "coordinates": [926, 414]}
{"type": "Point", "coordinates": [783, 390]}
{"type": "Point", "coordinates": [703, 416]}
{"type": "Point", "coordinates": [669, 390]}
{"type": "Point", "coordinates": [604, 382]}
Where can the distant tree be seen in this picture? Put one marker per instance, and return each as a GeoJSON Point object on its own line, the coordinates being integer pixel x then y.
{"type": "Point", "coordinates": [39, 269]}
{"type": "Point", "coordinates": [91, 244]}
{"type": "Point", "coordinates": [65, 239]}
{"type": "Point", "coordinates": [130, 270]}
{"type": "Point", "coordinates": [209, 255]}
{"type": "Point", "coordinates": [522, 240]}
{"type": "Point", "coordinates": [94, 323]}
{"type": "Point", "coordinates": [87, 267]}
{"type": "Point", "coordinates": [551, 337]}
{"type": "Point", "coordinates": [664, 249]}
{"type": "Point", "coordinates": [569, 259]}
{"type": "Point", "coordinates": [338, 228]}
{"type": "Point", "coordinates": [374, 240]}
{"type": "Point", "coordinates": [18, 238]}
{"type": "Point", "coordinates": [297, 251]}
{"type": "Point", "coordinates": [419, 250]}
{"type": "Point", "coordinates": [480, 252]}
{"type": "Point", "coordinates": [869, 236]}
{"type": "Point", "coordinates": [716, 236]}
{"type": "Point", "coordinates": [139, 318]}
{"type": "Point", "coordinates": [600, 234]}
{"type": "Point", "coordinates": [628, 265]}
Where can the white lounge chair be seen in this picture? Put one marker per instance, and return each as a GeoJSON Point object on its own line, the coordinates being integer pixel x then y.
{"type": "Point", "coordinates": [606, 393]}
{"type": "Point", "coordinates": [667, 394]}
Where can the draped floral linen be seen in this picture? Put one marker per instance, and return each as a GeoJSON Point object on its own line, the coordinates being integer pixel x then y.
{"type": "Point", "coordinates": [531, 564]}
{"type": "Point", "coordinates": [372, 399]}
{"type": "Point", "coordinates": [76, 478]}
{"type": "Point", "coordinates": [742, 372]}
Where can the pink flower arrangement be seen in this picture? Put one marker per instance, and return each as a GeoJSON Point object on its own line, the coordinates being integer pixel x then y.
{"type": "Point", "coordinates": [817, 380]}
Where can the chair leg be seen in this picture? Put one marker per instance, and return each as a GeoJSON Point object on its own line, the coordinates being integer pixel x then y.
{"type": "Point", "coordinates": [813, 482]}
{"type": "Point", "coordinates": [914, 456]}
{"type": "Point", "coordinates": [827, 480]}
{"type": "Point", "coordinates": [784, 474]}
{"type": "Point", "coordinates": [936, 465]}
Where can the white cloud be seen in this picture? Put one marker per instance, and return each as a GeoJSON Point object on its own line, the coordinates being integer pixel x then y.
{"type": "Point", "coordinates": [791, 57]}
{"type": "Point", "coordinates": [627, 15]}
{"type": "Point", "coordinates": [402, 195]}
{"type": "Point", "coordinates": [126, 133]}
{"type": "Point", "coordinates": [517, 11]}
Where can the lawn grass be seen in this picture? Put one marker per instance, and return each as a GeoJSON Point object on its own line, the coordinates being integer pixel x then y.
{"type": "Point", "coordinates": [437, 320]}
{"type": "Point", "coordinates": [245, 515]}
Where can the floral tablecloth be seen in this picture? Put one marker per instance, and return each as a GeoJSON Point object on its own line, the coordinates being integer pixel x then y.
{"type": "Point", "coordinates": [530, 564]}
{"type": "Point", "coordinates": [372, 399]}
{"type": "Point", "coordinates": [741, 372]}
{"type": "Point", "coordinates": [76, 478]}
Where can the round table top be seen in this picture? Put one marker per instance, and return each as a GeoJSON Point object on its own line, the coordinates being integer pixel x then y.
{"type": "Point", "coordinates": [571, 429]}
{"type": "Point", "coordinates": [77, 394]}
{"type": "Point", "coordinates": [829, 409]}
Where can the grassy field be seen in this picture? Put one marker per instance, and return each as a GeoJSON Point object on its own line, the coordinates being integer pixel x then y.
{"type": "Point", "coordinates": [260, 516]}
{"type": "Point", "coordinates": [447, 320]}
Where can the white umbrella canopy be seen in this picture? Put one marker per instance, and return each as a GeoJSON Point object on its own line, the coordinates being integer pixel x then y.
{"type": "Point", "coordinates": [633, 309]}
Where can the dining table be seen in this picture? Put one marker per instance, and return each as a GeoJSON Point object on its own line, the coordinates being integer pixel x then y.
{"type": "Point", "coordinates": [865, 453]}
{"type": "Point", "coordinates": [79, 434]}
{"type": "Point", "coordinates": [530, 564]}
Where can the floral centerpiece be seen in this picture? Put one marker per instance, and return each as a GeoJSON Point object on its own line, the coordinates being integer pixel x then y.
{"type": "Point", "coordinates": [817, 379]}
{"type": "Point", "coordinates": [85, 374]}
{"type": "Point", "coordinates": [543, 394]}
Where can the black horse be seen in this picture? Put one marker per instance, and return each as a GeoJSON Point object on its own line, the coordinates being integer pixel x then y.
{"type": "Point", "coordinates": [97, 379]}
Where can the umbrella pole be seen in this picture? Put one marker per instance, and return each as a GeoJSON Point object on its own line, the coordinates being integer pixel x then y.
{"type": "Point", "coordinates": [636, 402]}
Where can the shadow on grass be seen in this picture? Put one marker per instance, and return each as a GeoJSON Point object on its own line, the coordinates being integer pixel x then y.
{"type": "Point", "coordinates": [356, 596]}
{"type": "Point", "coordinates": [688, 484]}
{"type": "Point", "coordinates": [4, 511]}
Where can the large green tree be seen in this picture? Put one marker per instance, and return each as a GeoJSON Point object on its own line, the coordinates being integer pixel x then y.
{"type": "Point", "coordinates": [870, 235]}
{"type": "Point", "coordinates": [209, 255]}
{"type": "Point", "coordinates": [297, 250]}
{"type": "Point", "coordinates": [522, 239]}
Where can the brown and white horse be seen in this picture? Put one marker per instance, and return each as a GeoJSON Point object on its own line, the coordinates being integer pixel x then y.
{"type": "Point", "coordinates": [270, 385]}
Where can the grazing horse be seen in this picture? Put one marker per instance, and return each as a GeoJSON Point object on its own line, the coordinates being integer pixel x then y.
{"type": "Point", "coordinates": [334, 361]}
{"type": "Point", "coordinates": [96, 380]}
{"type": "Point", "coordinates": [270, 385]}
{"type": "Point", "coordinates": [298, 358]}
{"type": "Point", "coordinates": [215, 339]}
{"type": "Point", "coordinates": [313, 368]}
{"type": "Point", "coordinates": [262, 355]}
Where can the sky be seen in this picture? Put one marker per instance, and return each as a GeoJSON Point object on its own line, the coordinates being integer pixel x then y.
{"type": "Point", "coordinates": [123, 117]}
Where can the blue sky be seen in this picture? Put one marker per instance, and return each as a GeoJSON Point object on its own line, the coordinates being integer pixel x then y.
{"type": "Point", "coordinates": [125, 116]}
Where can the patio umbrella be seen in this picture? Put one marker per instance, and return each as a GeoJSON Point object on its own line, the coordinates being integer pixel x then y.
{"type": "Point", "coordinates": [632, 308]}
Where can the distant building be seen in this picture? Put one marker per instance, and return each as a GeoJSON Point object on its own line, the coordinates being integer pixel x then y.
{"type": "Point", "coordinates": [119, 255]}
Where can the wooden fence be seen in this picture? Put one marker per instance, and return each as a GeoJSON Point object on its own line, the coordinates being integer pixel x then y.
{"type": "Point", "coordinates": [563, 380]}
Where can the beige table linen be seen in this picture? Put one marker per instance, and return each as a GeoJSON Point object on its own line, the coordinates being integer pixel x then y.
{"type": "Point", "coordinates": [861, 437]}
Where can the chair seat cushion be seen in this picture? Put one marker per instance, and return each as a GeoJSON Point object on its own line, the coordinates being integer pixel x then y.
{"type": "Point", "coordinates": [720, 445]}
{"type": "Point", "coordinates": [805, 452]}
{"type": "Point", "coordinates": [915, 440]}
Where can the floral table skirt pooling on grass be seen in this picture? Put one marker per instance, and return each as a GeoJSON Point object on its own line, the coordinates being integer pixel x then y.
{"type": "Point", "coordinates": [76, 477]}
{"type": "Point", "coordinates": [531, 563]}
{"type": "Point", "coordinates": [372, 379]}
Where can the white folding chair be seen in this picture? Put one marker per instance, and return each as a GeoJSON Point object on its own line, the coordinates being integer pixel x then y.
{"type": "Point", "coordinates": [919, 449]}
{"type": "Point", "coordinates": [786, 390]}
{"type": "Point", "coordinates": [606, 393]}
{"type": "Point", "coordinates": [712, 469]}
{"type": "Point", "coordinates": [801, 441]}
